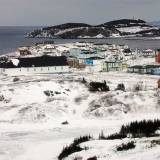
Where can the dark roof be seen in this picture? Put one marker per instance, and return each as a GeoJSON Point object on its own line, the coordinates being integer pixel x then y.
{"type": "Point", "coordinates": [144, 67]}
{"type": "Point", "coordinates": [99, 44]}
{"type": "Point", "coordinates": [94, 58]}
{"type": "Point", "coordinates": [137, 67]}
{"type": "Point", "coordinates": [88, 52]}
{"type": "Point", "coordinates": [128, 50]}
{"type": "Point", "coordinates": [153, 66]}
{"type": "Point", "coordinates": [42, 61]}
{"type": "Point", "coordinates": [113, 62]}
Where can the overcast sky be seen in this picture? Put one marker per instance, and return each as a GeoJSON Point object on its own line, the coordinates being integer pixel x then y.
{"type": "Point", "coordinates": [51, 12]}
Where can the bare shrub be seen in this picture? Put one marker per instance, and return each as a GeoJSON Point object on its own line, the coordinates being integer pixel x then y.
{"type": "Point", "coordinates": [120, 87]}
{"type": "Point", "coordinates": [65, 123]}
{"type": "Point", "coordinates": [98, 86]}
{"type": "Point", "coordinates": [2, 98]}
{"type": "Point", "coordinates": [127, 146]}
{"type": "Point", "coordinates": [138, 87]}
{"type": "Point", "coordinates": [92, 158]}
{"type": "Point", "coordinates": [16, 79]}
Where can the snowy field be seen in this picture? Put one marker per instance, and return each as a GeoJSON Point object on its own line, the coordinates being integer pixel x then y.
{"type": "Point", "coordinates": [33, 109]}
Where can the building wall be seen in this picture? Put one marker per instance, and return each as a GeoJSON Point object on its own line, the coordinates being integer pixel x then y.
{"type": "Point", "coordinates": [158, 57]}
{"type": "Point", "coordinates": [74, 52]}
{"type": "Point", "coordinates": [107, 67]}
{"type": "Point", "coordinates": [35, 70]}
{"type": "Point", "coordinates": [156, 71]}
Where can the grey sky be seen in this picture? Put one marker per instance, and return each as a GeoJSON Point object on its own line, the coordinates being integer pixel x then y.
{"type": "Point", "coordinates": [51, 12]}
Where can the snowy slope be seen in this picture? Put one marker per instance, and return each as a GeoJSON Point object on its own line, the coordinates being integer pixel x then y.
{"type": "Point", "coordinates": [30, 121]}
{"type": "Point", "coordinates": [133, 30]}
{"type": "Point", "coordinates": [106, 149]}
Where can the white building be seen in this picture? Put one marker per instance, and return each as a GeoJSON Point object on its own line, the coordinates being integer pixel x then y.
{"type": "Point", "coordinates": [35, 65]}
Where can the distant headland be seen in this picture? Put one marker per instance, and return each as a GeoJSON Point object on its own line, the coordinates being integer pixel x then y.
{"type": "Point", "coordinates": [116, 28]}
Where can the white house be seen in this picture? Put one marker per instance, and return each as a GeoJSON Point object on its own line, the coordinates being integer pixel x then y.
{"type": "Point", "coordinates": [35, 65]}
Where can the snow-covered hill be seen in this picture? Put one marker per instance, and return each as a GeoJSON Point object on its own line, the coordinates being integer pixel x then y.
{"type": "Point", "coordinates": [33, 109]}
{"type": "Point", "coordinates": [119, 28]}
{"type": "Point", "coordinates": [44, 99]}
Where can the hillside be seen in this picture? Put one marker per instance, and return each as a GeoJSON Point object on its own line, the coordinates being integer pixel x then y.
{"type": "Point", "coordinates": [117, 28]}
{"type": "Point", "coordinates": [31, 120]}
{"type": "Point", "coordinates": [124, 23]}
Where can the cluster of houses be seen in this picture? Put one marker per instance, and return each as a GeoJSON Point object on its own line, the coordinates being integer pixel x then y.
{"type": "Point", "coordinates": [153, 69]}
{"type": "Point", "coordinates": [49, 58]}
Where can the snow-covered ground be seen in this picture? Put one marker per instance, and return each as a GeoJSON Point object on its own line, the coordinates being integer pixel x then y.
{"type": "Point", "coordinates": [133, 29]}
{"type": "Point", "coordinates": [30, 121]}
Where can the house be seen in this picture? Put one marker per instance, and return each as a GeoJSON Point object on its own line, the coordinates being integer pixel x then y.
{"type": "Point", "coordinates": [24, 51]}
{"type": "Point", "coordinates": [137, 69]}
{"type": "Point", "coordinates": [50, 50]}
{"type": "Point", "coordinates": [145, 69]}
{"type": "Point", "coordinates": [82, 53]}
{"type": "Point", "coordinates": [74, 52]}
{"type": "Point", "coordinates": [87, 54]}
{"type": "Point", "coordinates": [108, 66]}
{"type": "Point", "coordinates": [155, 71]}
{"type": "Point", "coordinates": [75, 63]}
{"type": "Point", "coordinates": [148, 53]}
{"type": "Point", "coordinates": [94, 63]}
{"type": "Point", "coordinates": [93, 60]}
{"type": "Point", "coordinates": [35, 65]}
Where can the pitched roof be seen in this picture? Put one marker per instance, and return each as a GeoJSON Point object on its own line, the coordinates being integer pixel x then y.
{"type": "Point", "coordinates": [42, 61]}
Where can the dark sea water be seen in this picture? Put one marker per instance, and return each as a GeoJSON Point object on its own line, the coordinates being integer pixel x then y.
{"type": "Point", "coordinates": [13, 37]}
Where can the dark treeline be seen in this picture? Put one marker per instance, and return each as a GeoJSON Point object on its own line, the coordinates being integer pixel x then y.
{"type": "Point", "coordinates": [74, 147]}
{"type": "Point", "coordinates": [145, 128]}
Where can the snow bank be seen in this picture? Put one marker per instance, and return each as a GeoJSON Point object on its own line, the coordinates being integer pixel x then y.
{"type": "Point", "coordinates": [15, 62]}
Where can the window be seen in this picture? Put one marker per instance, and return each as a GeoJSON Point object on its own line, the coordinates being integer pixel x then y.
{"type": "Point", "coordinates": [48, 68]}
{"type": "Point", "coordinates": [20, 69]}
{"type": "Point", "coordinates": [55, 68]}
{"type": "Point", "coordinates": [34, 69]}
{"type": "Point", "coordinates": [62, 68]}
{"type": "Point", "coordinates": [41, 69]}
{"type": "Point", "coordinates": [27, 69]}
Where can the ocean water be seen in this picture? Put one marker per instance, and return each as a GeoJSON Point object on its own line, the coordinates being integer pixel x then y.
{"type": "Point", "coordinates": [13, 37]}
